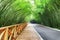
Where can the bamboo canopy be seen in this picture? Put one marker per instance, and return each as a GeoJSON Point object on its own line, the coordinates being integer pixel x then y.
{"type": "Point", "coordinates": [46, 12]}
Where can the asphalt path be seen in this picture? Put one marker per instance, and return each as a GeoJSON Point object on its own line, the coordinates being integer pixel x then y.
{"type": "Point", "coordinates": [46, 32]}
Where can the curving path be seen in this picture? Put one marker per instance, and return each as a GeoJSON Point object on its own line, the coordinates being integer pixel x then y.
{"type": "Point", "coordinates": [46, 32]}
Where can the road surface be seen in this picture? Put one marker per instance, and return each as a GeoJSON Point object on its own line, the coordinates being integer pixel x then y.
{"type": "Point", "coordinates": [47, 33]}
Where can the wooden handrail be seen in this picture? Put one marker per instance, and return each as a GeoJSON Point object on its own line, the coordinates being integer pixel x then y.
{"type": "Point", "coordinates": [11, 32]}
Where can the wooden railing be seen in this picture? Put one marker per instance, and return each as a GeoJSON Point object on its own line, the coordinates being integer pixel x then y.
{"type": "Point", "coordinates": [11, 32]}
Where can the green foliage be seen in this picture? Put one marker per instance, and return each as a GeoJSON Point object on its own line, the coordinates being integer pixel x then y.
{"type": "Point", "coordinates": [13, 11]}
{"type": "Point", "coordinates": [45, 12]}
{"type": "Point", "coordinates": [51, 14]}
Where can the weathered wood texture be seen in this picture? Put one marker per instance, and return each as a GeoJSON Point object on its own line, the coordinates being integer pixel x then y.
{"type": "Point", "coordinates": [11, 32]}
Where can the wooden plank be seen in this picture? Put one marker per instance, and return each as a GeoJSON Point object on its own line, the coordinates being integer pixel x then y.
{"type": "Point", "coordinates": [11, 32]}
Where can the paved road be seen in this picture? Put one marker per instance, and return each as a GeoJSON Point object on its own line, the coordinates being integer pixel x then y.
{"type": "Point", "coordinates": [47, 33]}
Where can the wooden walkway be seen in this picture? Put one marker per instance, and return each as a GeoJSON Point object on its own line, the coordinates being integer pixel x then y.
{"type": "Point", "coordinates": [29, 33]}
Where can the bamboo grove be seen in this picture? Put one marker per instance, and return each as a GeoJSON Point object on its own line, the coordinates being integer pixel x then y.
{"type": "Point", "coordinates": [46, 12]}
